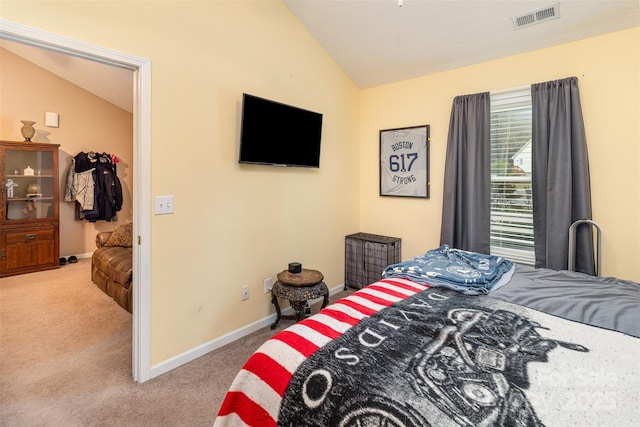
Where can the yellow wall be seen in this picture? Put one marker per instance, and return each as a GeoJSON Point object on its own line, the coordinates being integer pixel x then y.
{"type": "Point", "coordinates": [233, 224]}
{"type": "Point", "coordinates": [238, 224]}
{"type": "Point", "coordinates": [87, 123]}
{"type": "Point", "coordinates": [609, 80]}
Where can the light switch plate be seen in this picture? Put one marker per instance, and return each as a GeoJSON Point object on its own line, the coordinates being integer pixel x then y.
{"type": "Point", "coordinates": [51, 120]}
{"type": "Point", "coordinates": [164, 205]}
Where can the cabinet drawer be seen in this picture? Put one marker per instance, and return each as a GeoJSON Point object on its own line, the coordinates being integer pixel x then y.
{"type": "Point", "coordinates": [29, 249]}
{"type": "Point", "coordinates": [30, 236]}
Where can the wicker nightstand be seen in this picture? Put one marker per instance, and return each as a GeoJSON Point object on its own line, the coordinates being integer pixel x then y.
{"type": "Point", "coordinates": [366, 257]}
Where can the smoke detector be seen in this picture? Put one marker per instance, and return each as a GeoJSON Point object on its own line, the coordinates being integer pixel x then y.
{"type": "Point", "coordinates": [537, 16]}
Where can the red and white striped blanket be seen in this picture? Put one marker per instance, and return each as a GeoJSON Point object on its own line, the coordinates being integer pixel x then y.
{"type": "Point", "coordinates": [399, 353]}
{"type": "Point", "coordinates": [255, 395]}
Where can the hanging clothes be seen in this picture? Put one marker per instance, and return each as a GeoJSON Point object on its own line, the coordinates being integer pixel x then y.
{"type": "Point", "coordinates": [93, 183]}
{"type": "Point", "coordinates": [79, 187]}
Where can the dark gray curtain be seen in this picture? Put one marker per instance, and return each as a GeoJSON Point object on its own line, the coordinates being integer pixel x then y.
{"type": "Point", "coordinates": [560, 173]}
{"type": "Point", "coordinates": [467, 178]}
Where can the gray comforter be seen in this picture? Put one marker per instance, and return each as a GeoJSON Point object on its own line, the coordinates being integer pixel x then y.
{"type": "Point", "coordinates": [576, 296]}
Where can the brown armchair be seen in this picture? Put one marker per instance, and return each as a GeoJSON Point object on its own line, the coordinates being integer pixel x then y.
{"type": "Point", "coordinates": [112, 265]}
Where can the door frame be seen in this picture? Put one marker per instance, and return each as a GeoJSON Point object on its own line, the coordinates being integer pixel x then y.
{"type": "Point", "coordinates": [141, 67]}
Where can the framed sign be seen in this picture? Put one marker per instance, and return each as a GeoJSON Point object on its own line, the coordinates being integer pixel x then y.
{"type": "Point", "coordinates": [404, 162]}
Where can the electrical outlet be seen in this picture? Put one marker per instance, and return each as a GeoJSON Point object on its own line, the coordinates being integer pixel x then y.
{"type": "Point", "coordinates": [244, 295]}
{"type": "Point", "coordinates": [267, 285]}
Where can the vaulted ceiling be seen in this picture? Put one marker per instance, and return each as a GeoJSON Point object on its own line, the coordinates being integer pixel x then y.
{"type": "Point", "coordinates": [111, 83]}
{"type": "Point", "coordinates": [378, 41]}
{"type": "Point", "coordinates": [383, 41]}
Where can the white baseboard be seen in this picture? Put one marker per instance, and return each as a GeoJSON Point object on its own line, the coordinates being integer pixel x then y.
{"type": "Point", "coordinates": [201, 350]}
{"type": "Point", "coordinates": [79, 256]}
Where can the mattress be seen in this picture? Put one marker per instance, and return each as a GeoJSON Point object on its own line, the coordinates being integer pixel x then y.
{"type": "Point", "coordinates": [548, 348]}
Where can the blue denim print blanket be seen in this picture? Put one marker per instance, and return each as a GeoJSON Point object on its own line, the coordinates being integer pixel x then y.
{"type": "Point", "coordinates": [471, 273]}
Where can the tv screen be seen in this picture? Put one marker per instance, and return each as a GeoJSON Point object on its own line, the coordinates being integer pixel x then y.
{"type": "Point", "coordinates": [277, 134]}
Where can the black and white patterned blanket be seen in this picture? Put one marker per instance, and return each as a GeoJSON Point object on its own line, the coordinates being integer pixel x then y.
{"type": "Point", "coordinates": [397, 353]}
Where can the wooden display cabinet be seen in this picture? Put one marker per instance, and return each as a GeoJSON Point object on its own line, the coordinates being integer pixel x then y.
{"type": "Point", "coordinates": [29, 210]}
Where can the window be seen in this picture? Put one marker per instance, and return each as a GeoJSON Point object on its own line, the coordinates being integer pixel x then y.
{"type": "Point", "coordinates": [511, 230]}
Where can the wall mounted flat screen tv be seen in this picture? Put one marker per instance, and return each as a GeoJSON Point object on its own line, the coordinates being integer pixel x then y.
{"type": "Point", "coordinates": [277, 134]}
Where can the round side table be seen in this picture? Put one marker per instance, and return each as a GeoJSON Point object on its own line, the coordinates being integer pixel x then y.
{"type": "Point", "coordinates": [298, 288]}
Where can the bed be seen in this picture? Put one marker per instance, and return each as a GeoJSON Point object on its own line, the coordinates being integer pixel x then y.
{"type": "Point", "coordinates": [544, 348]}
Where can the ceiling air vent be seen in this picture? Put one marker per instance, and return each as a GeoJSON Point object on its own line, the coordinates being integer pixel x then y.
{"type": "Point", "coordinates": [536, 16]}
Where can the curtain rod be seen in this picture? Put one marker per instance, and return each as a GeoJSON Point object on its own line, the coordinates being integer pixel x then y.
{"type": "Point", "coordinates": [513, 89]}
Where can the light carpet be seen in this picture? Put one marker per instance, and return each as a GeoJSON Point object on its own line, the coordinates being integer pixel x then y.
{"type": "Point", "coordinates": [65, 360]}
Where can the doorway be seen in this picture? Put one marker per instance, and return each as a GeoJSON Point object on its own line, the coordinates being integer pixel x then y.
{"type": "Point", "coordinates": [141, 67]}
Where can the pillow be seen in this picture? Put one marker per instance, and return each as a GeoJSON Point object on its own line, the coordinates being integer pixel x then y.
{"type": "Point", "coordinates": [121, 236]}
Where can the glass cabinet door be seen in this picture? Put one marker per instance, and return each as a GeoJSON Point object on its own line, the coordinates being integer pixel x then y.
{"type": "Point", "coordinates": [29, 181]}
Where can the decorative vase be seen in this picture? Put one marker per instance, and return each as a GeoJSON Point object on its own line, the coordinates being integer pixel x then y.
{"type": "Point", "coordinates": [27, 130]}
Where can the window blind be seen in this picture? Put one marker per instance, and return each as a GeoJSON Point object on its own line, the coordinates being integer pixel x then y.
{"type": "Point", "coordinates": [511, 229]}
